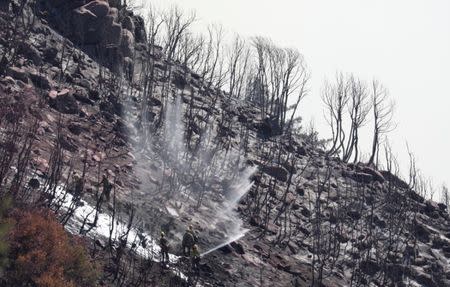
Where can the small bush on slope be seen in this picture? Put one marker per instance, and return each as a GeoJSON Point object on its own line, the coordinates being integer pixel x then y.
{"type": "Point", "coordinates": [41, 253]}
{"type": "Point", "coordinates": [5, 227]}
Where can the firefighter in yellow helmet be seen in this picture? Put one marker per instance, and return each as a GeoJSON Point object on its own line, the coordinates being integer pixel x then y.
{"type": "Point", "coordinates": [195, 256]}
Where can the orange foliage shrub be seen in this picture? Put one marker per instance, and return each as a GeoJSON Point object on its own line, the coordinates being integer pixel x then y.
{"type": "Point", "coordinates": [42, 254]}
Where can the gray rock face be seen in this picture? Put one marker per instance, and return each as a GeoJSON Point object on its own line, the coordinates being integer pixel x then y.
{"type": "Point", "coordinates": [95, 25]}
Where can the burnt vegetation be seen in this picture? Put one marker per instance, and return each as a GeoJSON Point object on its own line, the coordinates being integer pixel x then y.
{"type": "Point", "coordinates": [75, 109]}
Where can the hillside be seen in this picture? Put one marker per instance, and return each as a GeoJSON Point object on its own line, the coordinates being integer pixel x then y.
{"type": "Point", "coordinates": [85, 88]}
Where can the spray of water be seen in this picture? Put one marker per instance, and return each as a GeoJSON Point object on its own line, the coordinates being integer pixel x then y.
{"type": "Point", "coordinates": [230, 240]}
{"type": "Point", "coordinates": [174, 130]}
{"type": "Point", "coordinates": [215, 176]}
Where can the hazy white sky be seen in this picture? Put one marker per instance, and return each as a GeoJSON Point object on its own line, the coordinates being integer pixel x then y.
{"type": "Point", "coordinates": [403, 43]}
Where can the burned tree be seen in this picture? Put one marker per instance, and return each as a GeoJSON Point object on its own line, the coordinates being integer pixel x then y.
{"type": "Point", "coordinates": [445, 196]}
{"type": "Point", "coordinates": [383, 112]}
{"type": "Point", "coordinates": [175, 24]}
{"type": "Point", "coordinates": [347, 93]}
{"type": "Point", "coordinates": [358, 110]}
{"type": "Point", "coordinates": [335, 97]}
{"type": "Point", "coordinates": [280, 73]}
{"type": "Point", "coordinates": [238, 63]}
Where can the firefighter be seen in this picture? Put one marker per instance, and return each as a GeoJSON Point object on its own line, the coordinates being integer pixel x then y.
{"type": "Point", "coordinates": [77, 184]}
{"type": "Point", "coordinates": [164, 245]}
{"type": "Point", "coordinates": [188, 241]}
{"type": "Point", "coordinates": [195, 255]}
{"type": "Point", "coordinates": [409, 254]}
{"type": "Point", "coordinates": [107, 186]}
{"type": "Point", "coordinates": [295, 281]}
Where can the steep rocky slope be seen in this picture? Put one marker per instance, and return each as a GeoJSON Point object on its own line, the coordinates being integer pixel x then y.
{"type": "Point", "coordinates": [308, 219]}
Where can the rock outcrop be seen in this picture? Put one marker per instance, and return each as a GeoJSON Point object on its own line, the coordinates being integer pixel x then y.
{"type": "Point", "coordinates": [104, 29]}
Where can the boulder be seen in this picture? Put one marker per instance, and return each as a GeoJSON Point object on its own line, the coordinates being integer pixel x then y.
{"type": "Point", "coordinates": [265, 129]}
{"type": "Point", "coordinates": [293, 247]}
{"type": "Point", "coordinates": [374, 173]}
{"type": "Point", "coordinates": [99, 8]}
{"type": "Point", "coordinates": [278, 172]}
{"type": "Point", "coordinates": [18, 74]}
{"type": "Point", "coordinates": [8, 80]}
{"type": "Point", "coordinates": [379, 222]}
{"type": "Point", "coordinates": [128, 24]}
{"type": "Point", "coordinates": [94, 95]}
{"type": "Point", "coordinates": [114, 14]}
{"type": "Point", "coordinates": [305, 212]}
{"type": "Point", "coordinates": [50, 55]}
{"type": "Point", "coordinates": [238, 248]}
{"type": "Point", "coordinates": [30, 52]}
{"type": "Point", "coordinates": [422, 233]}
{"type": "Point", "coordinates": [301, 150]}
{"type": "Point", "coordinates": [40, 80]}
{"type": "Point", "coordinates": [439, 243]}
{"type": "Point", "coordinates": [113, 34]}
{"type": "Point", "coordinates": [75, 129]}
{"type": "Point", "coordinates": [72, 4]}
{"type": "Point", "coordinates": [415, 196]}
{"type": "Point", "coordinates": [154, 102]}
{"type": "Point", "coordinates": [354, 214]}
{"type": "Point", "coordinates": [53, 94]}
{"type": "Point", "coordinates": [68, 144]}
{"type": "Point", "coordinates": [81, 97]}
{"type": "Point", "coordinates": [424, 279]}
{"type": "Point", "coordinates": [300, 191]}
{"type": "Point", "coordinates": [394, 179]}
{"type": "Point", "coordinates": [363, 177]}
{"type": "Point", "coordinates": [395, 272]}
{"type": "Point", "coordinates": [41, 164]}
{"type": "Point", "coordinates": [370, 267]}
{"type": "Point", "coordinates": [358, 176]}
{"type": "Point", "coordinates": [84, 20]}
{"type": "Point", "coordinates": [227, 249]}
{"type": "Point", "coordinates": [442, 206]}
{"type": "Point", "coordinates": [255, 221]}
{"type": "Point", "coordinates": [140, 34]}
{"type": "Point", "coordinates": [341, 237]}
{"type": "Point", "coordinates": [65, 103]}
{"type": "Point", "coordinates": [34, 183]}
{"type": "Point", "coordinates": [127, 43]}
